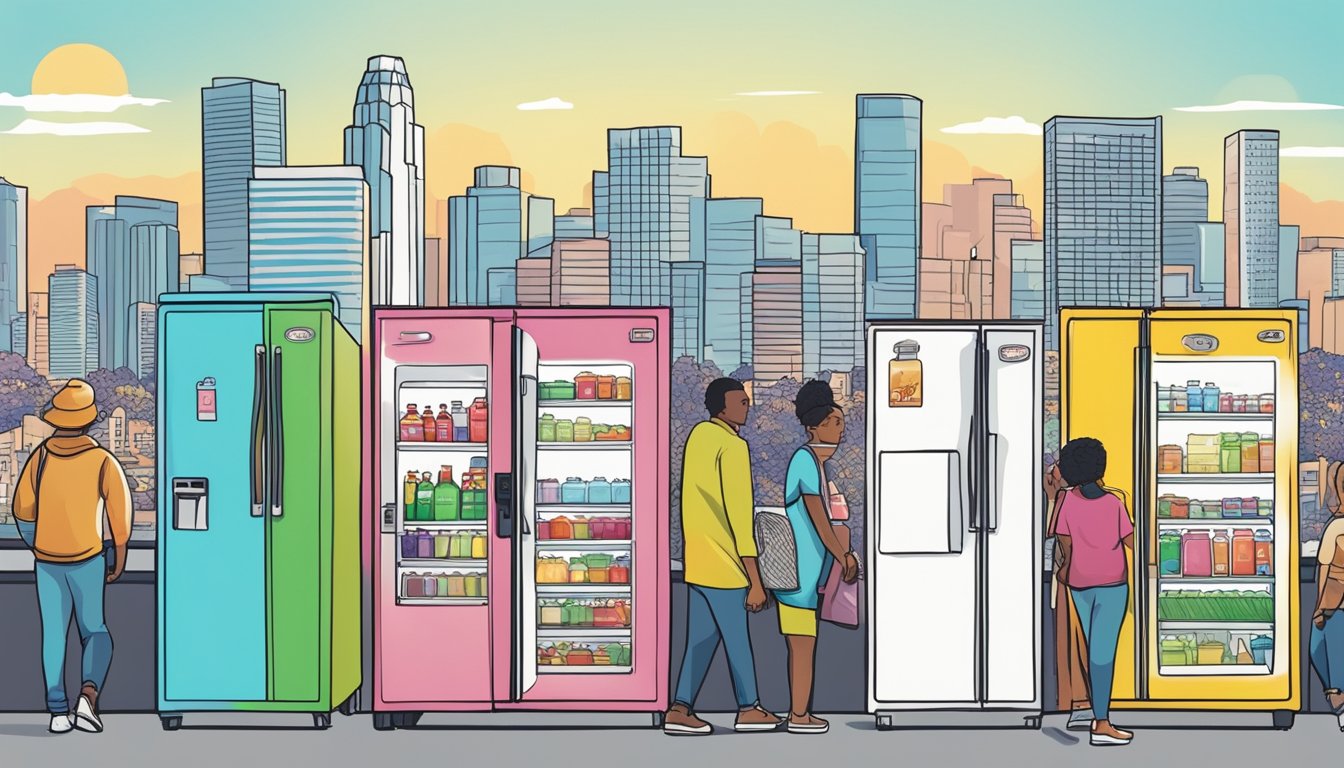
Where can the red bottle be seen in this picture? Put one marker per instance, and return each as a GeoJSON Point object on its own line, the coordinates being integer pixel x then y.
{"type": "Point", "coordinates": [412, 426]}
{"type": "Point", "coordinates": [477, 419]}
{"type": "Point", "coordinates": [443, 425]}
{"type": "Point", "coordinates": [430, 430]}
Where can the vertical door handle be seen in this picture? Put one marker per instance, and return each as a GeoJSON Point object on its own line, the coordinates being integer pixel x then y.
{"type": "Point", "coordinates": [278, 436]}
{"type": "Point", "coordinates": [257, 445]}
{"type": "Point", "coordinates": [992, 458]}
{"type": "Point", "coordinates": [969, 468]}
{"type": "Point", "coordinates": [504, 505]}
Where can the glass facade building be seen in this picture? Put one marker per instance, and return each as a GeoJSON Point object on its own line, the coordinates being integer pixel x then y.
{"type": "Point", "coordinates": [487, 230]}
{"type": "Point", "coordinates": [308, 230]}
{"type": "Point", "coordinates": [13, 260]}
{"type": "Point", "coordinates": [1251, 218]}
{"type": "Point", "coordinates": [1103, 214]}
{"type": "Point", "coordinates": [132, 248]}
{"type": "Point", "coordinates": [1185, 205]}
{"type": "Point", "coordinates": [242, 127]}
{"type": "Point", "coordinates": [833, 269]}
{"type": "Point", "coordinates": [730, 252]}
{"type": "Point", "coordinates": [887, 177]}
{"type": "Point", "coordinates": [73, 323]}
{"type": "Point", "coordinates": [385, 141]}
{"type": "Point", "coordinates": [1028, 280]}
{"type": "Point", "coordinates": [688, 309]}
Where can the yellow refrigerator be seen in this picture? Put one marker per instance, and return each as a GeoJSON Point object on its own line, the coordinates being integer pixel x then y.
{"type": "Point", "coordinates": [1198, 411]}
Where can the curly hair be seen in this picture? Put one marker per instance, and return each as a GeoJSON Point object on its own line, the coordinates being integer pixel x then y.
{"type": "Point", "coordinates": [814, 402]}
{"type": "Point", "coordinates": [1082, 460]}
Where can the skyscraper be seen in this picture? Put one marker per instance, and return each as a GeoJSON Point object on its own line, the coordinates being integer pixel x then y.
{"type": "Point", "coordinates": [1012, 221]}
{"type": "Point", "coordinates": [730, 252]}
{"type": "Point", "coordinates": [832, 303]}
{"type": "Point", "coordinates": [1211, 262]}
{"type": "Point", "coordinates": [385, 141]}
{"type": "Point", "coordinates": [581, 273]}
{"type": "Point", "coordinates": [1289, 237]}
{"type": "Point", "coordinates": [1185, 205]}
{"type": "Point", "coordinates": [1103, 214]}
{"type": "Point", "coordinates": [601, 203]}
{"type": "Point", "coordinates": [144, 349]}
{"type": "Point", "coordinates": [74, 322]}
{"type": "Point", "coordinates": [651, 191]}
{"type": "Point", "coordinates": [1251, 218]}
{"type": "Point", "coordinates": [39, 351]}
{"type": "Point", "coordinates": [18, 335]}
{"type": "Point", "coordinates": [540, 225]}
{"type": "Point", "coordinates": [1320, 276]}
{"type": "Point", "coordinates": [1028, 280]}
{"type": "Point", "coordinates": [242, 127]}
{"type": "Point", "coordinates": [132, 249]}
{"type": "Point", "coordinates": [534, 281]}
{"type": "Point", "coordinates": [777, 301]}
{"type": "Point", "coordinates": [487, 231]}
{"type": "Point", "coordinates": [887, 177]}
{"type": "Point", "coordinates": [436, 273]}
{"type": "Point", "coordinates": [308, 230]}
{"type": "Point", "coordinates": [688, 309]}
{"type": "Point", "coordinates": [13, 258]}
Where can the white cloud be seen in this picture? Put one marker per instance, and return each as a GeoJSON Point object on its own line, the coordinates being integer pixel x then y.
{"type": "Point", "coordinates": [1012, 125]}
{"type": "Point", "coordinates": [74, 102]}
{"type": "Point", "coordinates": [777, 93]}
{"type": "Point", "coordinates": [1311, 152]}
{"type": "Point", "coordinates": [555, 102]}
{"type": "Point", "coordinates": [32, 127]}
{"type": "Point", "coordinates": [1263, 106]}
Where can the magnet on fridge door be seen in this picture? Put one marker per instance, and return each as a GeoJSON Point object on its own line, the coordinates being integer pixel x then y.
{"type": "Point", "coordinates": [205, 399]}
{"type": "Point", "coordinates": [905, 375]}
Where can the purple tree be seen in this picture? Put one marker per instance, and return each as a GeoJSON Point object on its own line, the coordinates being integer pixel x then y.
{"type": "Point", "coordinates": [23, 391]}
{"type": "Point", "coordinates": [1321, 397]}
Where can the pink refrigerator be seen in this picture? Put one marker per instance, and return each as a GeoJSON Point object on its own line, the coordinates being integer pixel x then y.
{"type": "Point", "coordinates": [516, 494]}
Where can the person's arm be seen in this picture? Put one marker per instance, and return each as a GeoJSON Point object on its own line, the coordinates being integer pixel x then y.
{"type": "Point", "coordinates": [1063, 546]}
{"type": "Point", "coordinates": [117, 501]}
{"type": "Point", "coordinates": [1126, 525]}
{"type": "Point", "coordinates": [739, 504]}
{"type": "Point", "coordinates": [25, 502]}
{"type": "Point", "coordinates": [816, 512]}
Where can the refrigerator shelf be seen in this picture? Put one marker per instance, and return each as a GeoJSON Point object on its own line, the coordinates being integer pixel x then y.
{"type": "Point", "coordinates": [443, 601]}
{"type": "Point", "coordinates": [1187, 416]}
{"type": "Point", "coordinates": [1233, 522]}
{"type": "Point", "coordinates": [590, 544]}
{"type": "Point", "coordinates": [473, 525]}
{"type": "Point", "coordinates": [432, 447]}
{"type": "Point", "coordinates": [1213, 670]}
{"type": "Point", "coordinates": [596, 445]}
{"type": "Point", "coordinates": [562, 669]}
{"type": "Point", "coordinates": [1235, 478]}
{"type": "Point", "coordinates": [582, 633]}
{"type": "Point", "coordinates": [444, 384]}
{"type": "Point", "coordinates": [576, 589]}
{"type": "Point", "coordinates": [412, 562]}
{"type": "Point", "coordinates": [585, 403]}
{"type": "Point", "coordinates": [1216, 580]}
{"type": "Point", "coordinates": [584, 509]}
{"type": "Point", "coordinates": [1215, 626]}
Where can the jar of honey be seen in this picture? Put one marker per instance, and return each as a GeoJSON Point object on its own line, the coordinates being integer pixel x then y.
{"type": "Point", "coordinates": [906, 376]}
{"type": "Point", "coordinates": [624, 388]}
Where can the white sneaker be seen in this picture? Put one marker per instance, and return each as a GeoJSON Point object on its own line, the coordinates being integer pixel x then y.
{"type": "Point", "coordinates": [85, 718]}
{"type": "Point", "coordinates": [1080, 720]}
{"type": "Point", "coordinates": [61, 724]}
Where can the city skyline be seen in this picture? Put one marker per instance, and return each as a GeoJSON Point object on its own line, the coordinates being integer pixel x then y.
{"type": "Point", "coordinates": [476, 120]}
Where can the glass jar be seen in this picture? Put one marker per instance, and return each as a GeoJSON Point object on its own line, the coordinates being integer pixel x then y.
{"type": "Point", "coordinates": [620, 491]}
{"type": "Point", "coordinates": [1225, 402]}
{"type": "Point", "coordinates": [1179, 400]}
{"type": "Point", "coordinates": [905, 375]}
{"type": "Point", "coordinates": [624, 388]}
{"type": "Point", "coordinates": [1194, 396]}
{"type": "Point", "coordinates": [1252, 404]}
{"type": "Point", "coordinates": [1163, 398]}
{"type": "Point", "coordinates": [546, 429]}
{"type": "Point", "coordinates": [583, 430]}
{"type": "Point", "coordinates": [1238, 403]}
{"type": "Point", "coordinates": [574, 491]}
{"type": "Point", "coordinates": [1211, 397]}
{"type": "Point", "coordinates": [599, 491]}
{"type": "Point", "coordinates": [1267, 402]}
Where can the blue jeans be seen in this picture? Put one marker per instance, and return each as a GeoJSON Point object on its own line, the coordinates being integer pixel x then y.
{"type": "Point", "coordinates": [62, 589]}
{"type": "Point", "coordinates": [1327, 652]}
{"type": "Point", "coordinates": [1101, 611]}
{"type": "Point", "coordinates": [714, 615]}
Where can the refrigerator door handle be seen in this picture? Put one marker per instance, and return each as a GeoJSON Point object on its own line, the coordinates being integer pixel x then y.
{"type": "Point", "coordinates": [970, 466]}
{"type": "Point", "coordinates": [504, 505]}
{"type": "Point", "coordinates": [278, 437]}
{"type": "Point", "coordinates": [415, 337]}
{"type": "Point", "coordinates": [992, 489]}
{"type": "Point", "coordinates": [257, 446]}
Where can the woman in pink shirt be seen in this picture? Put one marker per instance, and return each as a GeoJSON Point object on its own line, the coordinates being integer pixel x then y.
{"type": "Point", "coordinates": [1093, 530]}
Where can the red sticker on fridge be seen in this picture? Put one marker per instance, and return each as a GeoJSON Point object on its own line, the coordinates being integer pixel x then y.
{"type": "Point", "coordinates": [205, 399]}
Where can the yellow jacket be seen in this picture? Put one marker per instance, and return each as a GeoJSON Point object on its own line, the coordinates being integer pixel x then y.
{"type": "Point", "coordinates": [716, 506]}
{"type": "Point", "coordinates": [82, 484]}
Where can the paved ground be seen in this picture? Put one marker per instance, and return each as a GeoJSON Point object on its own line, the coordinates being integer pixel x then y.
{"type": "Point", "coordinates": [137, 740]}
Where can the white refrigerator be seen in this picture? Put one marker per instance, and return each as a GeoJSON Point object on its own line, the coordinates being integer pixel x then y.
{"type": "Point", "coordinates": [954, 545]}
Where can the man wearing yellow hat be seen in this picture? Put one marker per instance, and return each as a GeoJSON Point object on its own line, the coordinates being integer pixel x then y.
{"type": "Point", "coordinates": [71, 495]}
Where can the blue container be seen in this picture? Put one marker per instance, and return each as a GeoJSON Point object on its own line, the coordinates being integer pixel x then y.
{"type": "Point", "coordinates": [478, 462]}
{"type": "Point", "coordinates": [1260, 646]}
{"type": "Point", "coordinates": [574, 491]}
{"type": "Point", "coordinates": [1194, 395]}
{"type": "Point", "coordinates": [1211, 393]}
{"type": "Point", "coordinates": [620, 491]}
{"type": "Point", "coordinates": [599, 491]}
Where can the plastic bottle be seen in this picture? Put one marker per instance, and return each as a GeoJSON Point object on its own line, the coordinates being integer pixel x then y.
{"type": "Point", "coordinates": [1221, 554]}
{"type": "Point", "coordinates": [424, 498]}
{"type": "Point", "coordinates": [1169, 552]}
{"type": "Point", "coordinates": [620, 491]}
{"type": "Point", "coordinates": [460, 428]}
{"type": "Point", "coordinates": [443, 425]}
{"type": "Point", "coordinates": [409, 487]}
{"type": "Point", "coordinates": [1212, 396]}
{"type": "Point", "coordinates": [599, 491]}
{"type": "Point", "coordinates": [479, 420]}
{"type": "Point", "coordinates": [574, 491]}
{"type": "Point", "coordinates": [1264, 553]}
{"type": "Point", "coordinates": [430, 431]}
{"type": "Point", "coordinates": [546, 428]}
{"type": "Point", "coordinates": [1194, 396]}
{"type": "Point", "coordinates": [412, 425]}
{"type": "Point", "coordinates": [447, 497]}
{"type": "Point", "coordinates": [424, 545]}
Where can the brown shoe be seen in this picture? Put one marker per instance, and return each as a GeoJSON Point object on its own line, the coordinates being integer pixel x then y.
{"type": "Point", "coordinates": [1106, 735]}
{"type": "Point", "coordinates": [756, 720]}
{"type": "Point", "coordinates": [807, 724]}
{"type": "Point", "coordinates": [680, 721]}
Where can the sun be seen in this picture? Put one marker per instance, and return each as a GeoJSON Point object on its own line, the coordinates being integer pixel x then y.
{"type": "Point", "coordinates": [80, 68]}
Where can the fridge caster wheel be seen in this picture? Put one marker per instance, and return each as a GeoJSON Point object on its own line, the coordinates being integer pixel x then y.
{"type": "Point", "coordinates": [321, 720]}
{"type": "Point", "coordinates": [1283, 719]}
{"type": "Point", "coordinates": [350, 706]}
{"type": "Point", "coordinates": [657, 719]}
{"type": "Point", "coordinates": [884, 723]}
{"type": "Point", "coordinates": [382, 721]}
{"type": "Point", "coordinates": [171, 723]}
{"type": "Point", "coordinates": [1034, 723]}
{"type": "Point", "coordinates": [406, 719]}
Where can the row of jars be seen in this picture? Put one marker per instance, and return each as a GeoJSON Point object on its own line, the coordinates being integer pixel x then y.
{"type": "Point", "coordinates": [595, 568]}
{"type": "Point", "coordinates": [580, 528]}
{"type": "Point", "coordinates": [434, 585]}
{"type": "Point", "coordinates": [1208, 398]}
{"type": "Point", "coordinates": [456, 545]}
{"type": "Point", "coordinates": [578, 491]}
{"type": "Point", "coordinates": [579, 430]}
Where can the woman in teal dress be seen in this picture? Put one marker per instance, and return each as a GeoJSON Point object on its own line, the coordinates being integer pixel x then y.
{"type": "Point", "coordinates": [808, 509]}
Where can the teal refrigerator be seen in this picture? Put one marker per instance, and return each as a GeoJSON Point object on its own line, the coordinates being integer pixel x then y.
{"type": "Point", "coordinates": [258, 555]}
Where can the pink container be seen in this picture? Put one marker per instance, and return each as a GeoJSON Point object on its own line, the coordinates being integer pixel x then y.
{"type": "Point", "coordinates": [414, 585]}
{"type": "Point", "coordinates": [544, 530]}
{"type": "Point", "coordinates": [548, 491]}
{"type": "Point", "coordinates": [1196, 554]}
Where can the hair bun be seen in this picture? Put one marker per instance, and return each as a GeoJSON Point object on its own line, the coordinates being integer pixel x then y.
{"type": "Point", "coordinates": [812, 396]}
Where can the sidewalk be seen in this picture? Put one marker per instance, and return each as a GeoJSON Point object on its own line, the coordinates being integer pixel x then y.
{"type": "Point", "coordinates": [137, 740]}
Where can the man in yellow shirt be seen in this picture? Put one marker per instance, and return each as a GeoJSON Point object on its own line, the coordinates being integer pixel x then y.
{"type": "Point", "coordinates": [68, 488]}
{"type": "Point", "coordinates": [722, 580]}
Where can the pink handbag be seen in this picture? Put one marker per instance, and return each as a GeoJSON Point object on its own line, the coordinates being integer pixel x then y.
{"type": "Point", "coordinates": [840, 601]}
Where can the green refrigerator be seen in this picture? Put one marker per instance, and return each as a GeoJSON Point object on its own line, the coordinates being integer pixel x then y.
{"type": "Point", "coordinates": [258, 556]}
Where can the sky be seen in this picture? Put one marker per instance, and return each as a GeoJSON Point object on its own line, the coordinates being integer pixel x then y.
{"type": "Point", "coordinates": [623, 64]}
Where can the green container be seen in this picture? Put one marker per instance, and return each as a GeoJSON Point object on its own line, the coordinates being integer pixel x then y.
{"type": "Point", "coordinates": [1229, 453]}
{"type": "Point", "coordinates": [557, 390]}
{"type": "Point", "coordinates": [597, 560]}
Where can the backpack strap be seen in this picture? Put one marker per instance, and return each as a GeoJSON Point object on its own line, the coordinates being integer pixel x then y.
{"type": "Point", "coordinates": [37, 479]}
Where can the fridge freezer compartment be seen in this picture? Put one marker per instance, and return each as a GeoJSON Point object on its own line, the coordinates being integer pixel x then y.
{"type": "Point", "coordinates": [921, 508]}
